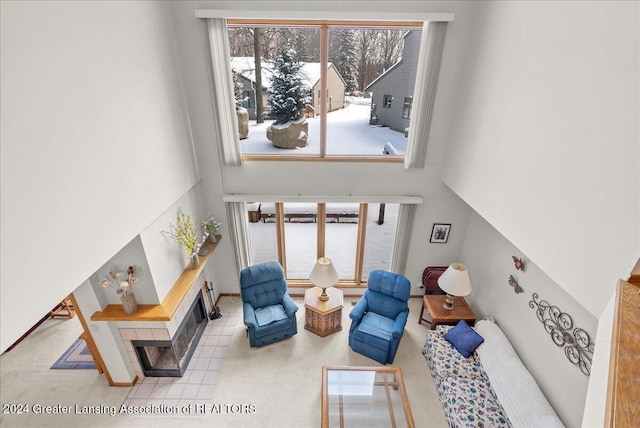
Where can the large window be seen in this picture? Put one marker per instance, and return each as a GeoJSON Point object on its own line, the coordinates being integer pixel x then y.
{"type": "Point", "coordinates": [357, 237]}
{"type": "Point", "coordinates": [343, 69]}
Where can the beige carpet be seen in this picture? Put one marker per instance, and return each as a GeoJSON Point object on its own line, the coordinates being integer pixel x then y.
{"type": "Point", "coordinates": [281, 381]}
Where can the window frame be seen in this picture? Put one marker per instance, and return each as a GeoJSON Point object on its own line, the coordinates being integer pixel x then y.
{"type": "Point", "coordinates": [357, 281]}
{"type": "Point", "coordinates": [324, 25]}
{"type": "Point", "coordinates": [406, 108]}
{"type": "Point", "coordinates": [387, 101]}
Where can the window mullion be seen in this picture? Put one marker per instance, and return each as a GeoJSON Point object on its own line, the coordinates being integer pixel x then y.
{"type": "Point", "coordinates": [324, 62]}
{"type": "Point", "coordinates": [321, 219]}
{"type": "Point", "coordinates": [282, 253]}
{"type": "Point", "coordinates": [362, 231]}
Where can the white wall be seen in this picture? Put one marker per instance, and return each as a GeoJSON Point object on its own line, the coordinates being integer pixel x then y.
{"type": "Point", "coordinates": [111, 348]}
{"type": "Point", "coordinates": [95, 143]}
{"type": "Point", "coordinates": [144, 288]}
{"type": "Point", "coordinates": [545, 141]}
{"type": "Point", "coordinates": [167, 259]}
{"type": "Point", "coordinates": [595, 403]}
{"type": "Point", "coordinates": [487, 255]}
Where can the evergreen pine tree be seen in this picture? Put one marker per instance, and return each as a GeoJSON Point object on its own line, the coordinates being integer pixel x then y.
{"type": "Point", "coordinates": [300, 45]}
{"type": "Point", "coordinates": [237, 90]}
{"type": "Point", "coordinates": [342, 53]}
{"type": "Point", "coordinates": [287, 95]}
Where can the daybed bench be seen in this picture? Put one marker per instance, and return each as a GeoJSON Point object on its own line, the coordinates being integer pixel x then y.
{"type": "Point", "coordinates": [490, 388]}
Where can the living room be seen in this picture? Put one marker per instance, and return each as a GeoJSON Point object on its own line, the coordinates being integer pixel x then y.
{"type": "Point", "coordinates": [109, 126]}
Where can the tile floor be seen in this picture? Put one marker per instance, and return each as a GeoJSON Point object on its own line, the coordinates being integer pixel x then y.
{"type": "Point", "coordinates": [197, 385]}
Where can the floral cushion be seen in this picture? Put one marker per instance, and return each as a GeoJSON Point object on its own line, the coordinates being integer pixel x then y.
{"type": "Point", "coordinates": [444, 360]}
{"type": "Point", "coordinates": [471, 403]}
{"type": "Point", "coordinates": [467, 397]}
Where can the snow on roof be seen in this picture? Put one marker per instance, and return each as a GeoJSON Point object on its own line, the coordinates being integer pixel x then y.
{"type": "Point", "coordinates": [311, 73]}
{"type": "Point", "coordinates": [245, 66]}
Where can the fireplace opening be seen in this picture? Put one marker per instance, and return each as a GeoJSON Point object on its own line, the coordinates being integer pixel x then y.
{"type": "Point", "coordinates": [170, 358]}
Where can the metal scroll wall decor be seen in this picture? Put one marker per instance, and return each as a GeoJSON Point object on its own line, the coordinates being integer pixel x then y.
{"type": "Point", "coordinates": [576, 342]}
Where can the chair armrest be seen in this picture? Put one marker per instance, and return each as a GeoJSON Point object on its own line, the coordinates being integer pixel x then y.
{"type": "Point", "coordinates": [359, 309]}
{"type": "Point", "coordinates": [289, 305]}
{"type": "Point", "coordinates": [400, 323]}
{"type": "Point", "coordinates": [249, 315]}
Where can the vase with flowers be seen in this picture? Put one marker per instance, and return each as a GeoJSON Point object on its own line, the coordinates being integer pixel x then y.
{"type": "Point", "coordinates": [209, 227]}
{"type": "Point", "coordinates": [123, 284]}
{"type": "Point", "coordinates": [185, 233]}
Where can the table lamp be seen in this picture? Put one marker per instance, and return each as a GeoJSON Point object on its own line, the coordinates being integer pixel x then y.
{"type": "Point", "coordinates": [324, 275]}
{"type": "Point", "coordinates": [455, 282]}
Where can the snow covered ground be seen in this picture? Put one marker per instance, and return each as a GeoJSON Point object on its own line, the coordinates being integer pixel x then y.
{"type": "Point", "coordinates": [348, 133]}
{"type": "Point", "coordinates": [341, 241]}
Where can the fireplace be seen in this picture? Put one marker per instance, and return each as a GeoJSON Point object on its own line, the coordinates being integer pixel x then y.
{"type": "Point", "coordinates": [170, 358]}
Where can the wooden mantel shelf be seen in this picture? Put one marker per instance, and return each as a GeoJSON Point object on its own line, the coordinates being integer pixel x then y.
{"type": "Point", "coordinates": [169, 306]}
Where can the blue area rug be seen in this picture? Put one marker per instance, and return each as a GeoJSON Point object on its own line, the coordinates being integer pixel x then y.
{"type": "Point", "coordinates": [76, 357]}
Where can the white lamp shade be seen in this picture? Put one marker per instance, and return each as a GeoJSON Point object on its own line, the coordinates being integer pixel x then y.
{"type": "Point", "coordinates": [324, 273]}
{"type": "Point", "coordinates": [455, 280]}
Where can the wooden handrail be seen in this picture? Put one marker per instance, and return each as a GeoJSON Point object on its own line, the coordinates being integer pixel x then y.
{"type": "Point", "coordinates": [622, 408]}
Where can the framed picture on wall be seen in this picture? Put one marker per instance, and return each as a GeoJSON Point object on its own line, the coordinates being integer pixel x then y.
{"type": "Point", "coordinates": [440, 233]}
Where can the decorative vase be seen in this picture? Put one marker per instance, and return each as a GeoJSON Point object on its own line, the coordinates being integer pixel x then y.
{"type": "Point", "coordinates": [194, 261]}
{"type": "Point", "coordinates": [212, 238]}
{"type": "Point", "coordinates": [129, 303]}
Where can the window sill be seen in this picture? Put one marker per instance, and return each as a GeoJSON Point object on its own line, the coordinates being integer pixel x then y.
{"type": "Point", "coordinates": [330, 158]}
{"type": "Point", "coordinates": [302, 283]}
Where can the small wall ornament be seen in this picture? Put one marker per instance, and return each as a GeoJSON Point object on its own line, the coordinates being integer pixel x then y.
{"type": "Point", "coordinates": [514, 284]}
{"type": "Point", "coordinates": [518, 262]}
{"type": "Point", "coordinates": [576, 342]}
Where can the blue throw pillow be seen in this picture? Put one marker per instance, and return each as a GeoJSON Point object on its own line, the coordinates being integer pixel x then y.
{"type": "Point", "coordinates": [464, 338]}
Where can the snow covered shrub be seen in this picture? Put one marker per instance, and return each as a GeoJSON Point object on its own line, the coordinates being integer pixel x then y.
{"type": "Point", "coordinates": [287, 95]}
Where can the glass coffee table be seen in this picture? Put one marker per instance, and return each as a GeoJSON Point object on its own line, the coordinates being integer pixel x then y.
{"type": "Point", "coordinates": [364, 397]}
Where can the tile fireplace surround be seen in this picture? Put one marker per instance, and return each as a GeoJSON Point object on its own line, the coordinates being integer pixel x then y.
{"type": "Point", "coordinates": [161, 322]}
{"type": "Point", "coordinates": [197, 384]}
{"type": "Point", "coordinates": [163, 332]}
{"type": "Point", "coordinates": [170, 358]}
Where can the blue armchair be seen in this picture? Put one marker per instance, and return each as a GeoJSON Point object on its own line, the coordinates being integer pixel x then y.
{"type": "Point", "coordinates": [269, 312]}
{"type": "Point", "coordinates": [379, 317]}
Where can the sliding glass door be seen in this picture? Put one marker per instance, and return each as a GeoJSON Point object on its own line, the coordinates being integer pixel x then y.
{"type": "Point", "coordinates": [357, 237]}
{"type": "Point", "coordinates": [341, 238]}
{"type": "Point", "coordinates": [300, 239]}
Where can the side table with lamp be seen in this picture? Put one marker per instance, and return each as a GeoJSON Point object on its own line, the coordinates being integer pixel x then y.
{"type": "Point", "coordinates": [453, 307]}
{"type": "Point", "coordinates": [323, 303]}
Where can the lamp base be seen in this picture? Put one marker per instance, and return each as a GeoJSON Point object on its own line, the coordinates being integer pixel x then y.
{"type": "Point", "coordinates": [323, 296]}
{"type": "Point", "coordinates": [448, 303]}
